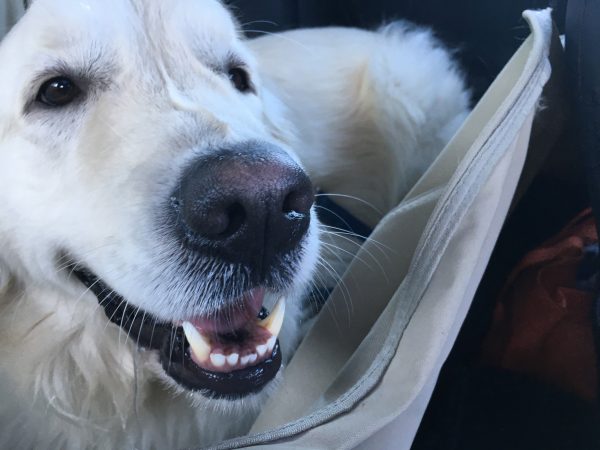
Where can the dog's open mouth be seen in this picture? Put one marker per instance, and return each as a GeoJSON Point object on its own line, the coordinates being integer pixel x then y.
{"type": "Point", "coordinates": [232, 353]}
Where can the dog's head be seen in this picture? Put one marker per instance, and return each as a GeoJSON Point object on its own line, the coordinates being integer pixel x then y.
{"type": "Point", "coordinates": [137, 153]}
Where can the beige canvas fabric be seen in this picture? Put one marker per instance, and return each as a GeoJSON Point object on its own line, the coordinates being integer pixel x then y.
{"type": "Point", "coordinates": [365, 372]}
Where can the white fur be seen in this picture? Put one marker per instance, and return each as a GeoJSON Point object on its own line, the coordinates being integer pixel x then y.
{"type": "Point", "coordinates": [364, 112]}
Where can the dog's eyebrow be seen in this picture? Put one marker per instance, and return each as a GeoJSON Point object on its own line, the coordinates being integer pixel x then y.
{"type": "Point", "coordinates": [233, 60]}
{"type": "Point", "coordinates": [95, 75]}
{"type": "Point", "coordinates": [230, 60]}
{"type": "Point", "coordinates": [92, 72]}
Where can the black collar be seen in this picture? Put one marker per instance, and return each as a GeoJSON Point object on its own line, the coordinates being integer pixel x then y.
{"type": "Point", "coordinates": [333, 215]}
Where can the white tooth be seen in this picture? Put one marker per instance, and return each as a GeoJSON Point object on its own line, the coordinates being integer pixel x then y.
{"type": "Point", "coordinates": [261, 350]}
{"type": "Point", "coordinates": [232, 359]}
{"type": "Point", "coordinates": [271, 343]}
{"type": "Point", "coordinates": [252, 358]}
{"type": "Point", "coordinates": [245, 360]}
{"type": "Point", "coordinates": [217, 359]}
{"type": "Point", "coordinates": [200, 347]}
{"type": "Point", "coordinates": [274, 321]}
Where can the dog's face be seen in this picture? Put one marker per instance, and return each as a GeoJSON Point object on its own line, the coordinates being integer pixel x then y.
{"type": "Point", "coordinates": [136, 152]}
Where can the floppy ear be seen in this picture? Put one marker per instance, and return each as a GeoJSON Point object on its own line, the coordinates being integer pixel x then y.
{"type": "Point", "coordinates": [27, 4]}
{"type": "Point", "coordinates": [10, 13]}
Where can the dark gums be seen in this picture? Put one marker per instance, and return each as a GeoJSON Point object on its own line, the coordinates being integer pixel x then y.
{"type": "Point", "coordinates": [150, 333]}
{"type": "Point", "coordinates": [176, 361]}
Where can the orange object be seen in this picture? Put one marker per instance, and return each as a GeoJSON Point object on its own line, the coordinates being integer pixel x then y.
{"type": "Point", "coordinates": [542, 324]}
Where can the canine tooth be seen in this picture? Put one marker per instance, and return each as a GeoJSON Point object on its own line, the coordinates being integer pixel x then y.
{"type": "Point", "coordinates": [200, 347]}
{"type": "Point", "coordinates": [271, 343]}
{"type": "Point", "coordinates": [217, 359]}
{"type": "Point", "coordinates": [233, 359]}
{"type": "Point", "coordinates": [274, 321]}
{"type": "Point", "coordinates": [261, 350]}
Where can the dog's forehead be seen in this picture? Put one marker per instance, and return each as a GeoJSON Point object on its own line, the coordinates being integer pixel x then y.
{"type": "Point", "coordinates": [130, 24]}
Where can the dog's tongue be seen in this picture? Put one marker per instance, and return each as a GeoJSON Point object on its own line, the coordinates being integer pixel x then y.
{"type": "Point", "coordinates": [235, 317]}
{"type": "Point", "coordinates": [235, 338]}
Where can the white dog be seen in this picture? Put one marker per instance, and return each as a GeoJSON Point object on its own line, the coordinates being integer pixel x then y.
{"type": "Point", "coordinates": [155, 204]}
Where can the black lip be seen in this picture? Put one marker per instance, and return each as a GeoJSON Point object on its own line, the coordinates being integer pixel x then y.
{"type": "Point", "coordinates": [150, 333]}
{"type": "Point", "coordinates": [176, 361]}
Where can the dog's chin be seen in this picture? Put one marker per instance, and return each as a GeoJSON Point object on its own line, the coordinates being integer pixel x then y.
{"type": "Point", "coordinates": [229, 356]}
{"type": "Point", "coordinates": [250, 403]}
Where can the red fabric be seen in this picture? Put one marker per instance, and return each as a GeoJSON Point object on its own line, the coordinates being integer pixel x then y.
{"type": "Point", "coordinates": [542, 324]}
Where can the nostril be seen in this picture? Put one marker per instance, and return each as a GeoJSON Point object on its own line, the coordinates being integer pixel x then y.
{"type": "Point", "coordinates": [218, 222]}
{"type": "Point", "coordinates": [298, 202]}
{"type": "Point", "coordinates": [236, 216]}
{"type": "Point", "coordinates": [215, 224]}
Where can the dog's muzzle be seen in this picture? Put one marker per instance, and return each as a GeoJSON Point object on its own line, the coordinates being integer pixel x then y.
{"type": "Point", "coordinates": [247, 207]}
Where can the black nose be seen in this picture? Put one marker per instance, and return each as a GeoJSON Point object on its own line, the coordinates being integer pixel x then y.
{"type": "Point", "coordinates": [249, 204]}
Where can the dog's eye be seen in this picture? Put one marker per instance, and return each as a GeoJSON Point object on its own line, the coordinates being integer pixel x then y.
{"type": "Point", "coordinates": [59, 91]}
{"type": "Point", "coordinates": [240, 79]}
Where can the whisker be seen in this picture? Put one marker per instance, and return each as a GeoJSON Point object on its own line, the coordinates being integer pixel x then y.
{"type": "Point", "coordinates": [345, 296]}
{"type": "Point", "coordinates": [352, 197]}
{"type": "Point", "coordinates": [369, 253]}
{"type": "Point", "coordinates": [83, 294]}
{"type": "Point", "coordinates": [365, 238]}
{"type": "Point", "coordinates": [132, 322]}
{"type": "Point", "coordinates": [267, 22]}
{"type": "Point", "coordinates": [348, 237]}
{"type": "Point", "coordinates": [324, 208]}
{"type": "Point", "coordinates": [318, 284]}
{"type": "Point", "coordinates": [68, 261]}
{"type": "Point", "coordinates": [330, 275]}
{"type": "Point", "coordinates": [110, 319]}
{"type": "Point", "coordinates": [137, 341]}
{"type": "Point", "coordinates": [283, 37]}
{"type": "Point", "coordinates": [136, 387]}
{"type": "Point", "coordinates": [171, 343]}
{"type": "Point", "coordinates": [334, 248]}
{"type": "Point", "coordinates": [345, 291]}
{"type": "Point", "coordinates": [153, 329]}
